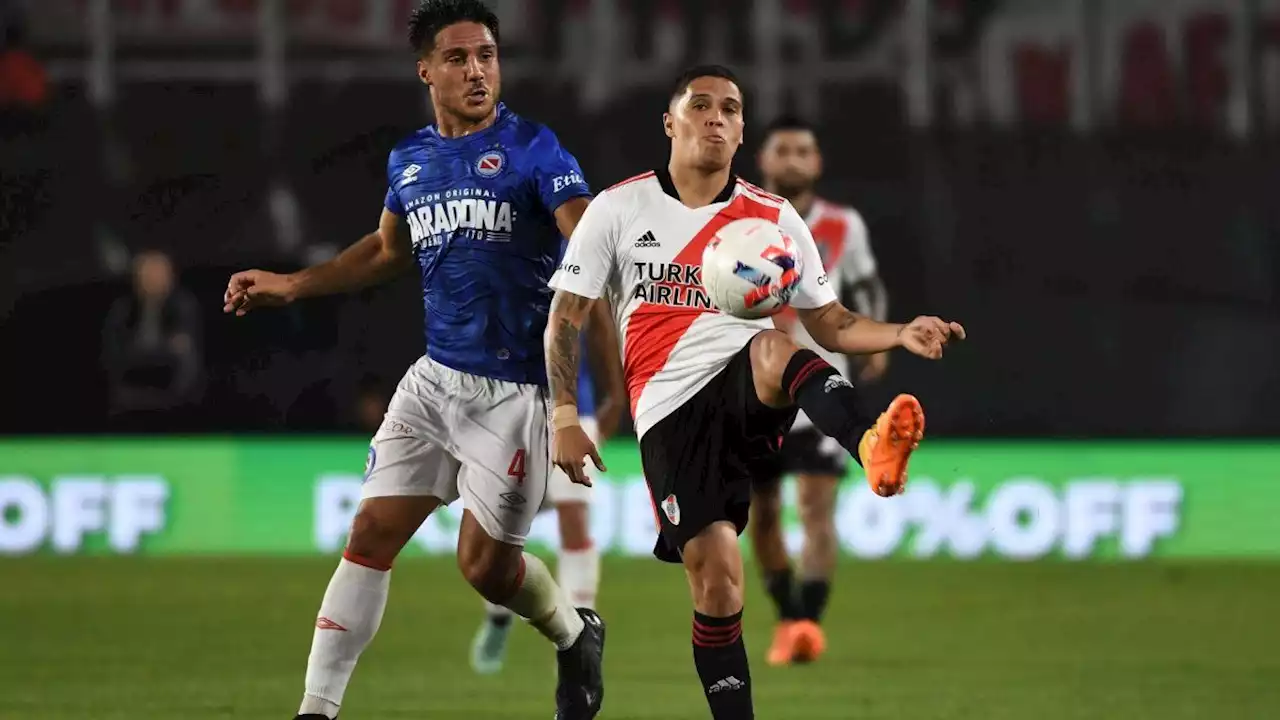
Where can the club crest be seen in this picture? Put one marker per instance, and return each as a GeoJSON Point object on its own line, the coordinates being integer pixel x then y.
{"type": "Point", "coordinates": [671, 508]}
{"type": "Point", "coordinates": [491, 163]}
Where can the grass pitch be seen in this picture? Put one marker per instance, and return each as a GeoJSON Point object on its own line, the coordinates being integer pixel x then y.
{"type": "Point", "coordinates": [146, 639]}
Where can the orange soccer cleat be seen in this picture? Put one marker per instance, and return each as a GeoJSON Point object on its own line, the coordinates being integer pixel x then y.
{"type": "Point", "coordinates": [783, 646]}
{"type": "Point", "coordinates": [886, 447]}
{"type": "Point", "coordinates": [807, 642]}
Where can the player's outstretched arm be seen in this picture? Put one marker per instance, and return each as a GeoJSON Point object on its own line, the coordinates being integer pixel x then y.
{"type": "Point", "coordinates": [569, 443]}
{"type": "Point", "coordinates": [373, 259]}
{"type": "Point", "coordinates": [838, 329]}
{"type": "Point", "coordinates": [870, 295]}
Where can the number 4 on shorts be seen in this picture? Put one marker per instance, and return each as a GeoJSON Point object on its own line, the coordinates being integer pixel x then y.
{"type": "Point", "coordinates": [516, 468]}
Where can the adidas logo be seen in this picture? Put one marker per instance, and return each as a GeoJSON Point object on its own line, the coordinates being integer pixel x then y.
{"type": "Point", "coordinates": [647, 240]}
{"type": "Point", "coordinates": [834, 382]}
{"type": "Point", "coordinates": [729, 683]}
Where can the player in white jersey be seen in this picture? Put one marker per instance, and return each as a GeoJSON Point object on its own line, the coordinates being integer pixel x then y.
{"type": "Point", "coordinates": [712, 394]}
{"type": "Point", "coordinates": [791, 163]}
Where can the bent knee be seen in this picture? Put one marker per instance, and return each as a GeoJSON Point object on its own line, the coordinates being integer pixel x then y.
{"type": "Point", "coordinates": [718, 594]}
{"type": "Point", "coordinates": [821, 538]}
{"type": "Point", "coordinates": [818, 512]}
{"type": "Point", "coordinates": [492, 568]}
{"type": "Point", "coordinates": [716, 584]}
{"type": "Point", "coordinates": [377, 538]}
{"type": "Point", "coordinates": [771, 350]}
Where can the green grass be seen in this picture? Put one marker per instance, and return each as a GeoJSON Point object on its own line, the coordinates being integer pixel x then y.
{"type": "Point", "coordinates": [144, 639]}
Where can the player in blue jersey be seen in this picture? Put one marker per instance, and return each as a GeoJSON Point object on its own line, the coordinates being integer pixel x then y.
{"type": "Point", "coordinates": [480, 202]}
{"type": "Point", "coordinates": [578, 561]}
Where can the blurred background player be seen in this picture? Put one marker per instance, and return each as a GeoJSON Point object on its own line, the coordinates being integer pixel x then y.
{"type": "Point", "coordinates": [578, 560]}
{"type": "Point", "coordinates": [791, 163]}
{"type": "Point", "coordinates": [480, 201]}
{"type": "Point", "coordinates": [152, 349]}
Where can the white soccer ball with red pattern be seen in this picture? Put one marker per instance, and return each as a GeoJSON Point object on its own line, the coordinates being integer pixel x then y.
{"type": "Point", "coordinates": [751, 268]}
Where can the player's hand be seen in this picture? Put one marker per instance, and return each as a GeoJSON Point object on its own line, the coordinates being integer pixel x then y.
{"type": "Point", "coordinates": [570, 447]}
{"type": "Point", "coordinates": [252, 289]}
{"type": "Point", "coordinates": [874, 367]}
{"type": "Point", "coordinates": [926, 336]}
{"type": "Point", "coordinates": [609, 416]}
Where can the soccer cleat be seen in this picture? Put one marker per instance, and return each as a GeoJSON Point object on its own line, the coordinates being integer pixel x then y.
{"type": "Point", "coordinates": [808, 642]}
{"type": "Point", "coordinates": [886, 446]}
{"type": "Point", "coordinates": [580, 689]}
{"type": "Point", "coordinates": [783, 647]}
{"type": "Point", "coordinates": [314, 716]}
{"type": "Point", "coordinates": [489, 647]}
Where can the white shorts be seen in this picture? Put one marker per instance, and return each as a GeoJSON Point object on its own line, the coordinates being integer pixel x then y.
{"type": "Point", "coordinates": [563, 490]}
{"type": "Point", "coordinates": [450, 434]}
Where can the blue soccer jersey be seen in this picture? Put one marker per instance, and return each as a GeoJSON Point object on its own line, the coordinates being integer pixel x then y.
{"type": "Point", "coordinates": [480, 212]}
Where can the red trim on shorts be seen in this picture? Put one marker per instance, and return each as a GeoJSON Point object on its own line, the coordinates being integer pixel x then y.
{"type": "Point", "coordinates": [366, 562]}
{"type": "Point", "coordinates": [653, 503]}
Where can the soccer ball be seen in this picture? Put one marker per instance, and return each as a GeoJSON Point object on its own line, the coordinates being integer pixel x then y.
{"type": "Point", "coordinates": [750, 269]}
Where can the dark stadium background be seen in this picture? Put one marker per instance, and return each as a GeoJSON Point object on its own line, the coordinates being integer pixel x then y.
{"type": "Point", "coordinates": [1089, 185]}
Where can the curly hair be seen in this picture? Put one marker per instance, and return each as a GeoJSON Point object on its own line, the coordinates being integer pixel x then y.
{"type": "Point", "coordinates": [432, 16]}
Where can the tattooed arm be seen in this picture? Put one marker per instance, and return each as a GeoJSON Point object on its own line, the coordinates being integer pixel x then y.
{"type": "Point", "coordinates": [564, 330]}
{"type": "Point", "coordinates": [581, 279]}
{"type": "Point", "coordinates": [603, 354]}
{"type": "Point", "coordinates": [836, 328]}
{"type": "Point", "coordinates": [839, 329]}
{"type": "Point", "coordinates": [569, 443]}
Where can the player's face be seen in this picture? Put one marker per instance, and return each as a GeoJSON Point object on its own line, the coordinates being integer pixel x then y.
{"type": "Point", "coordinates": [790, 161]}
{"type": "Point", "coordinates": [462, 71]}
{"type": "Point", "coordinates": [153, 275]}
{"type": "Point", "coordinates": [705, 123]}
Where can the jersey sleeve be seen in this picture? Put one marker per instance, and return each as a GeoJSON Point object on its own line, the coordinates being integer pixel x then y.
{"type": "Point", "coordinates": [814, 290]}
{"type": "Point", "coordinates": [857, 263]}
{"type": "Point", "coordinates": [392, 201]}
{"type": "Point", "coordinates": [556, 172]}
{"type": "Point", "coordinates": [589, 259]}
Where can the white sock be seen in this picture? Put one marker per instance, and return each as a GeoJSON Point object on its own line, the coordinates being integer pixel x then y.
{"type": "Point", "coordinates": [540, 601]}
{"type": "Point", "coordinates": [349, 616]}
{"type": "Point", "coordinates": [579, 574]}
{"type": "Point", "coordinates": [496, 612]}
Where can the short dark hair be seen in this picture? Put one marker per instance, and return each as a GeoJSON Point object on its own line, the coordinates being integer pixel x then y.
{"type": "Point", "coordinates": [783, 123]}
{"type": "Point", "coordinates": [701, 71]}
{"type": "Point", "coordinates": [432, 16]}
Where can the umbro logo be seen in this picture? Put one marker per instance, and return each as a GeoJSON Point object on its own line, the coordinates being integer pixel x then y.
{"type": "Point", "coordinates": [411, 173]}
{"type": "Point", "coordinates": [325, 623]}
{"type": "Point", "coordinates": [647, 240]}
